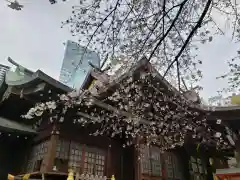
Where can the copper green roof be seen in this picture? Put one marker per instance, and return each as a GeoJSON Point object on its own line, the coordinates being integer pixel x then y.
{"type": "Point", "coordinates": [24, 77]}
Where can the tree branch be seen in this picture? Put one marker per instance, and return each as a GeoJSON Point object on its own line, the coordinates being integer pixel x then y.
{"type": "Point", "coordinates": [198, 25]}
{"type": "Point", "coordinates": [169, 29]}
{"type": "Point", "coordinates": [85, 49]}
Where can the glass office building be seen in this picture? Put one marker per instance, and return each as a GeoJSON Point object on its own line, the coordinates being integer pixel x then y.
{"type": "Point", "coordinates": [75, 66]}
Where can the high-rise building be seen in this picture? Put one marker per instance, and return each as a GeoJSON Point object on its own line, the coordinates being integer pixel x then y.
{"type": "Point", "coordinates": [75, 66]}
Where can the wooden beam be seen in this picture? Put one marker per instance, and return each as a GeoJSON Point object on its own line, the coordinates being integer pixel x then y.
{"type": "Point", "coordinates": [226, 118]}
{"type": "Point", "coordinates": [115, 110]}
{"type": "Point", "coordinates": [82, 168]}
{"type": "Point", "coordinates": [26, 91]}
{"type": "Point", "coordinates": [109, 108]}
{"type": "Point", "coordinates": [108, 164]}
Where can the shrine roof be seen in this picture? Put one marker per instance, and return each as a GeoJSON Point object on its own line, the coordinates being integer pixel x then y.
{"type": "Point", "coordinates": [32, 79]}
{"type": "Point", "coordinates": [138, 102]}
{"type": "Point", "coordinates": [141, 65]}
{"type": "Point", "coordinates": [23, 77]}
{"type": "Point", "coordinates": [224, 108]}
{"type": "Point", "coordinates": [23, 88]}
{"type": "Point", "coordinates": [15, 126]}
{"type": "Point", "coordinates": [23, 81]}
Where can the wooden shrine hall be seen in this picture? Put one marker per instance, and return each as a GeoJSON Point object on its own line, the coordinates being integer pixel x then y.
{"type": "Point", "coordinates": [109, 128]}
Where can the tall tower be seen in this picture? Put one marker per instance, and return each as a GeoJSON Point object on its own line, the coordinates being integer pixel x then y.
{"type": "Point", "coordinates": [75, 66]}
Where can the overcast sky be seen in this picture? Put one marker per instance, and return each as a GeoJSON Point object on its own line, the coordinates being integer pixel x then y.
{"type": "Point", "coordinates": [33, 38]}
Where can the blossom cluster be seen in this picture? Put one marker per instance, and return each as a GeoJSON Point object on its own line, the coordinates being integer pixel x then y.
{"type": "Point", "coordinates": [141, 106]}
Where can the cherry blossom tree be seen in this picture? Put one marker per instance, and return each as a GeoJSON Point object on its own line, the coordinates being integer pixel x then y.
{"type": "Point", "coordinates": [166, 32]}
{"type": "Point", "coordinates": [137, 108]}
{"type": "Point", "coordinates": [233, 75]}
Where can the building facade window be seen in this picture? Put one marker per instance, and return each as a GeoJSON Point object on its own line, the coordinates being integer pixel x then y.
{"type": "Point", "coordinates": [178, 169]}
{"type": "Point", "coordinates": [75, 156]}
{"type": "Point", "coordinates": [153, 163]}
{"type": "Point", "coordinates": [62, 149]}
{"type": "Point", "coordinates": [197, 169]}
{"type": "Point", "coordinates": [150, 161]}
{"type": "Point", "coordinates": [172, 166]}
{"type": "Point", "coordinates": [80, 158]}
{"type": "Point", "coordinates": [94, 161]}
{"type": "Point", "coordinates": [36, 156]}
{"type": "Point", "coordinates": [169, 165]}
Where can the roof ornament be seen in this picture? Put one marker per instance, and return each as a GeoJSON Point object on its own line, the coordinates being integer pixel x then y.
{"type": "Point", "coordinates": [20, 70]}
{"type": "Point", "coordinates": [20, 74]}
{"type": "Point", "coordinates": [191, 95]}
{"type": "Point", "coordinates": [101, 77]}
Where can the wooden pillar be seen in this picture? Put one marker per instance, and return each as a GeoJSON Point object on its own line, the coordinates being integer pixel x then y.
{"type": "Point", "coordinates": [82, 170]}
{"type": "Point", "coordinates": [48, 160]}
{"type": "Point", "coordinates": [137, 162]}
{"type": "Point", "coordinates": [109, 163]}
{"type": "Point", "coordinates": [237, 153]}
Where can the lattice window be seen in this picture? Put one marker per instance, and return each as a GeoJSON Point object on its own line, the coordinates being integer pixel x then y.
{"type": "Point", "coordinates": [197, 168]}
{"type": "Point", "coordinates": [41, 150]}
{"type": "Point", "coordinates": [94, 162]}
{"type": "Point", "coordinates": [150, 160]}
{"type": "Point", "coordinates": [62, 149]}
{"type": "Point", "coordinates": [155, 161]}
{"type": "Point", "coordinates": [145, 159]}
{"type": "Point", "coordinates": [75, 156]}
{"type": "Point", "coordinates": [177, 167]}
{"type": "Point", "coordinates": [80, 158]}
{"type": "Point", "coordinates": [173, 166]}
{"type": "Point", "coordinates": [36, 156]}
{"type": "Point", "coordinates": [100, 161]}
{"type": "Point", "coordinates": [169, 165]}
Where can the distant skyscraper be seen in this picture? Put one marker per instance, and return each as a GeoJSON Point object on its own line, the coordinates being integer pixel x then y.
{"type": "Point", "coordinates": [71, 76]}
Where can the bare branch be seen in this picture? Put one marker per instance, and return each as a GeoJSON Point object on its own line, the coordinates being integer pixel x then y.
{"type": "Point", "coordinates": [169, 29]}
{"type": "Point", "coordinates": [198, 25]}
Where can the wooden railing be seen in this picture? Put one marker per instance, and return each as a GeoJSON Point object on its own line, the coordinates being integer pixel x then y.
{"type": "Point", "coordinates": [71, 176]}
{"type": "Point", "coordinates": [89, 177]}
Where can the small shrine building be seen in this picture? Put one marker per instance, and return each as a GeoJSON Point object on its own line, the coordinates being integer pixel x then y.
{"type": "Point", "coordinates": [135, 127]}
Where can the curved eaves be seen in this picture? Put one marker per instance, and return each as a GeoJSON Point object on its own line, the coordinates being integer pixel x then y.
{"type": "Point", "coordinates": [12, 79]}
